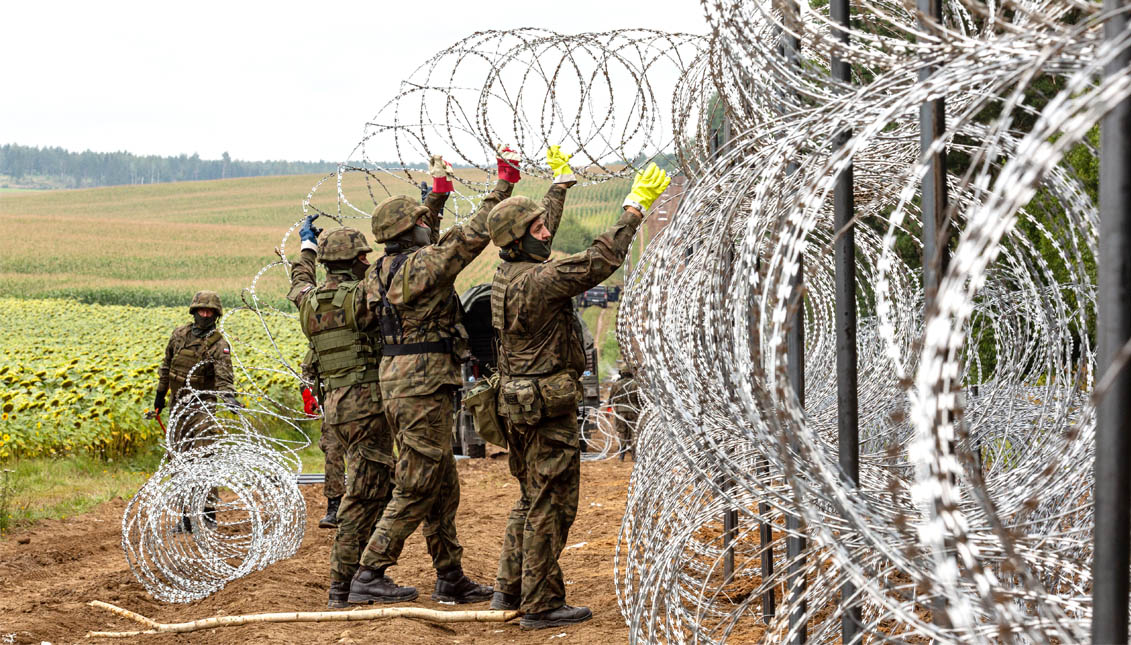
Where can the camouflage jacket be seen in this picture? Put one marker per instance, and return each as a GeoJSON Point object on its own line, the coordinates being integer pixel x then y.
{"type": "Point", "coordinates": [625, 397]}
{"type": "Point", "coordinates": [419, 286]}
{"type": "Point", "coordinates": [186, 350]}
{"type": "Point", "coordinates": [343, 404]}
{"type": "Point", "coordinates": [532, 304]}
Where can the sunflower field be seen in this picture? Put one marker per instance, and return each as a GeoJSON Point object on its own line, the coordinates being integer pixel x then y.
{"type": "Point", "coordinates": [77, 378]}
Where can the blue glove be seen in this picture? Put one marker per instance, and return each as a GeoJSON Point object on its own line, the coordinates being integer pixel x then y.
{"type": "Point", "coordinates": [309, 233]}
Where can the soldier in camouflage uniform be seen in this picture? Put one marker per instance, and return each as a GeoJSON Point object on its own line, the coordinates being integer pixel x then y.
{"type": "Point", "coordinates": [624, 399]}
{"type": "Point", "coordinates": [540, 358]}
{"type": "Point", "coordinates": [201, 346]}
{"type": "Point", "coordinates": [412, 288]}
{"type": "Point", "coordinates": [340, 328]}
{"type": "Point", "coordinates": [334, 453]}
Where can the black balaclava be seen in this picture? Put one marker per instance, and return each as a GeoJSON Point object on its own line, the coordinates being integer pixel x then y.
{"type": "Point", "coordinates": [534, 247]}
{"type": "Point", "coordinates": [202, 324]}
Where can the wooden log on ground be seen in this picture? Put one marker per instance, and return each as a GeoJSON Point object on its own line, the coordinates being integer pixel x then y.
{"type": "Point", "coordinates": [421, 613]}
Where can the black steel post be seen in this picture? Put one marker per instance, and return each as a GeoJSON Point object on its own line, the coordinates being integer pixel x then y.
{"type": "Point", "coordinates": [1113, 328]}
{"type": "Point", "coordinates": [796, 542]}
{"type": "Point", "coordinates": [844, 249]}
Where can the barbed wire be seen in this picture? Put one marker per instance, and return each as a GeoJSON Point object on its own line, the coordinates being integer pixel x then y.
{"type": "Point", "coordinates": [972, 518]}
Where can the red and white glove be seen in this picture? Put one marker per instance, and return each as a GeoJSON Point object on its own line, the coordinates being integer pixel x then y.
{"type": "Point", "coordinates": [441, 172]}
{"type": "Point", "coordinates": [309, 403]}
{"type": "Point", "coordinates": [508, 164]}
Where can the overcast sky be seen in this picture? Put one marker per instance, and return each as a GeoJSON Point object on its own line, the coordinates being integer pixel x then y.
{"type": "Point", "coordinates": [262, 80]}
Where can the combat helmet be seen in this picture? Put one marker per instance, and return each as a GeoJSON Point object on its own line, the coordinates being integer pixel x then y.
{"type": "Point", "coordinates": [342, 244]}
{"type": "Point", "coordinates": [510, 219]}
{"type": "Point", "coordinates": [206, 300]}
{"type": "Point", "coordinates": [395, 216]}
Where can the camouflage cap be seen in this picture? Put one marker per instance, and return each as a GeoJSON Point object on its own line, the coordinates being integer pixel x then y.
{"type": "Point", "coordinates": [206, 300]}
{"type": "Point", "coordinates": [342, 244]}
{"type": "Point", "coordinates": [395, 216]}
{"type": "Point", "coordinates": [510, 219]}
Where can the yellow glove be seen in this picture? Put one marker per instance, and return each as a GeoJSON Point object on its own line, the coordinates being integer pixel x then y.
{"type": "Point", "coordinates": [559, 163]}
{"type": "Point", "coordinates": [646, 187]}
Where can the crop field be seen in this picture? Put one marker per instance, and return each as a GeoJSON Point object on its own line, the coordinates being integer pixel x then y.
{"type": "Point", "coordinates": [95, 280]}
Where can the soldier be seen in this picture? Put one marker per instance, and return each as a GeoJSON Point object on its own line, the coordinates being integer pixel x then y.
{"type": "Point", "coordinates": [540, 358]}
{"type": "Point", "coordinates": [201, 346]}
{"type": "Point", "coordinates": [624, 401]}
{"type": "Point", "coordinates": [333, 452]}
{"type": "Point", "coordinates": [340, 328]}
{"type": "Point", "coordinates": [412, 287]}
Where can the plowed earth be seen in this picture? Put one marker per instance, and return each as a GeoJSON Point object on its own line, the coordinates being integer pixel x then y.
{"type": "Point", "coordinates": [46, 583]}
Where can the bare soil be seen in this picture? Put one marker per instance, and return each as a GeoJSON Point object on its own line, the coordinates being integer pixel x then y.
{"type": "Point", "coordinates": [46, 582]}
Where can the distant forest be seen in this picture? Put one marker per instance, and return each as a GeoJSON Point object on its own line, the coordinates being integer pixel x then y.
{"type": "Point", "coordinates": [25, 166]}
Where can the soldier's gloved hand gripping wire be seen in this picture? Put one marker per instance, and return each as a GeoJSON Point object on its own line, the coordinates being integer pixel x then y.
{"type": "Point", "coordinates": [646, 187]}
{"type": "Point", "coordinates": [308, 232]}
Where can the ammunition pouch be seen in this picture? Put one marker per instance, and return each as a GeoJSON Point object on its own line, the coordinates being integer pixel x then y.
{"type": "Point", "coordinates": [560, 394]}
{"type": "Point", "coordinates": [481, 402]}
{"type": "Point", "coordinates": [520, 401]}
{"type": "Point", "coordinates": [528, 400]}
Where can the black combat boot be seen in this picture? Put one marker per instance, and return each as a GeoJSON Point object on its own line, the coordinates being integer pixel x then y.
{"type": "Point", "coordinates": [330, 519]}
{"type": "Point", "coordinates": [370, 585]}
{"type": "Point", "coordinates": [452, 587]}
{"type": "Point", "coordinates": [564, 615]}
{"type": "Point", "coordinates": [339, 595]}
{"type": "Point", "coordinates": [505, 601]}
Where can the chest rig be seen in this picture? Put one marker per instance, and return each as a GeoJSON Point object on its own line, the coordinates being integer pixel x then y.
{"type": "Point", "coordinates": [345, 354]}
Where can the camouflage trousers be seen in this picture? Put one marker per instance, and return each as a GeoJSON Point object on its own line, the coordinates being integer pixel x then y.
{"type": "Point", "coordinates": [368, 486]}
{"type": "Point", "coordinates": [626, 429]}
{"type": "Point", "coordinates": [335, 452]}
{"type": "Point", "coordinates": [427, 485]}
{"type": "Point", "coordinates": [546, 460]}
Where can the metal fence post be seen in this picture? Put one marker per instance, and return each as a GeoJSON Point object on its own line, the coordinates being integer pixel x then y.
{"type": "Point", "coordinates": [1113, 431]}
{"type": "Point", "coordinates": [848, 425]}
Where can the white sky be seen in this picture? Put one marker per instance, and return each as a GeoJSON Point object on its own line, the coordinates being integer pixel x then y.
{"type": "Point", "coordinates": [260, 80]}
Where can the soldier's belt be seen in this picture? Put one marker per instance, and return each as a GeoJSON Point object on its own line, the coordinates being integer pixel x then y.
{"type": "Point", "coordinates": [408, 349]}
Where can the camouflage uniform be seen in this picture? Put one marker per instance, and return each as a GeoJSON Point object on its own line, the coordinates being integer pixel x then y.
{"type": "Point", "coordinates": [540, 338]}
{"type": "Point", "coordinates": [187, 347]}
{"type": "Point", "coordinates": [331, 446]}
{"type": "Point", "coordinates": [352, 413]}
{"type": "Point", "coordinates": [625, 400]}
{"type": "Point", "coordinates": [419, 374]}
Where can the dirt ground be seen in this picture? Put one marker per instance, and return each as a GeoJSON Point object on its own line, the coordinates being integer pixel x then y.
{"type": "Point", "coordinates": [46, 583]}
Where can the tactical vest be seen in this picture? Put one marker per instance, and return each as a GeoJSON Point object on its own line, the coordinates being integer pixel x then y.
{"type": "Point", "coordinates": [533, 352]}
{"type": "Point", "coordinates": [345, 354]}
{"type": "Point", "coordinates": [392, 323]}
{"type": "Point", "coordinates": [194, 350]}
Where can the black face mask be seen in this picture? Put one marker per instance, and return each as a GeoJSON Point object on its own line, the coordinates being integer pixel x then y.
{"type": "Point", "coordinates": [359, 269]}
{"type": "Point", "coordinates": [421, 235]}
{"type": "Point", "coordinates": [201, 322]}
{"type": "Point", "coordinates": [535, 248]}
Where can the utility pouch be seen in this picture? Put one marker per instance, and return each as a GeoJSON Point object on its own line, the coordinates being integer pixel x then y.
{"type": "Point", "coordinates": [520, 402]}
{"type": "Point", "coordinates": [481, 402]}
{"type": "Point", "coordinates": [560, 394]}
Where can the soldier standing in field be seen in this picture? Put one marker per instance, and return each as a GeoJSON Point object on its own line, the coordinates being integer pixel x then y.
{"type": "Point", "coordinates": [540, 358]}
{"type": "Point", "coordinates": [624, 400]}
{"type": "Point", "coordinates": [412, 288]}
{"type": "Point", "coordinates": [197, 345]}
{"type": "Point", "coordinates": [344, 362]}
{"type": "Point", "coordinates": [334, 453]}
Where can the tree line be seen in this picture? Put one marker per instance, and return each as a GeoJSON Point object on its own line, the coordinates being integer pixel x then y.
{"type": "Point", "coordinates": [60, 168]}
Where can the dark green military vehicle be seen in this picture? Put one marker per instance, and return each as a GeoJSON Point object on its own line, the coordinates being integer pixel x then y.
{"type": "Point", "coordinates": [484, 347]}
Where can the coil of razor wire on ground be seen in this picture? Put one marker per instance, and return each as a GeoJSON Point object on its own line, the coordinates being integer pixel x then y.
{"type": "Point", "coordinates": [224, 501]}
{"type": "Point", "coordinates": [972, 521]}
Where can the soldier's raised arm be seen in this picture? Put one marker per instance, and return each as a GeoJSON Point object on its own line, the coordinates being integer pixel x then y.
{"type": "Point", "coordinates": [554, 202]}
{"type": "Point", "coordinates": [304, 271]}
{"type": "Point", "coordinates": [569, 276]}
{"type": "Point", "coordinates": [435, 200]}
